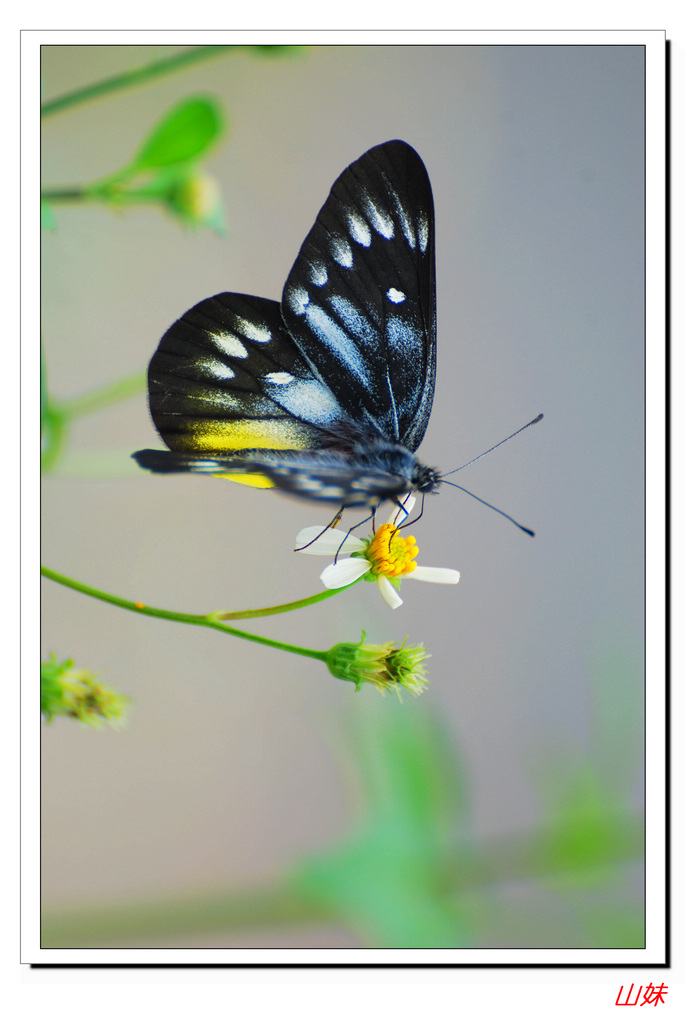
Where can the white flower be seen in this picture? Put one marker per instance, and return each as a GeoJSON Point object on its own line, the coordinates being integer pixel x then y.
{"type": "Point", "coordinates": [387, 556]}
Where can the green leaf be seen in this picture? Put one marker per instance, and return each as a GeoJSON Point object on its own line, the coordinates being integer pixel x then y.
{"type": "Point", "coordinates": [183, 134]}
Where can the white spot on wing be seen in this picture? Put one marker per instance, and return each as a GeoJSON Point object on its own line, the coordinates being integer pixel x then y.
{"type": "Point", "coordinates": [308, 400]}
{"type": "Point", "coordinates": [256, 332]}
{"type": "Point", "coordinates": [229, 344]}
{"type": "Point", "coordinates": [298, 300]}
{"type": "Point", "coordinates": [401, 336]}
{"type": "Point", "coordinates": [352, 317]}
{"type": "Point", "coordinates": [341, 251]}
{"type": "Point", "coordinates": [318, 274]}
{"type": "Point", "coordinates": [359, 229]}
{"type": "Point", "coordinates": [405, 223]}
{"type": "Point", "coordinates": [337, 342]}
{"type": "Point", "coordinates": [423, 231]}
{"type": "Point", "coordinates": [217, 368]}
{"type": "Point", "coordinates": [380, 220]}
{"type": "Point", "coordinates": [395, 296]}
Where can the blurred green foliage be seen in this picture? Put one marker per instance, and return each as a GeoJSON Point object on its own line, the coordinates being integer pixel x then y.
{"type": "Point", "coordinates": [410, 874]}
{"type": "Point", "coordinates": [165, 171]}
{"type": "Point", "coordinates": [390, 881]}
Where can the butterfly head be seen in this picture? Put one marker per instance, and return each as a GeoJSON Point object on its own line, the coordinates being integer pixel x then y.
{"type": "Point", "coordinates": [425, 479]}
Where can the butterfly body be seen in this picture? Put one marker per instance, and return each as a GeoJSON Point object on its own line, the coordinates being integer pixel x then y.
{"type": "Point", "coordinates": [367, 473]}
{"type": "Point", "coordinates": [327, 394]}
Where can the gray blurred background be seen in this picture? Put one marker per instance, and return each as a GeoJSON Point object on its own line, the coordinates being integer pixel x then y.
{"type": "Point", "coordinates": [232, 767]}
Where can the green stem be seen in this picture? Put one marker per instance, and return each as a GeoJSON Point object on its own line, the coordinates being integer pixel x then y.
{"type": "Point", "coordinates": [57, 416]}
{"type": "Point", "coordinates": [101, 193]}
{"type": "Point", "coordinates": [65, 195]}
{"type": "Point", "coordinates": [277, 609]}
{"type": "Point", "coordinates": [133, 77]}
{"type": "Point", "coordinates": [212, 621]}
{"type": "Point", "coordinates": [109, 394]}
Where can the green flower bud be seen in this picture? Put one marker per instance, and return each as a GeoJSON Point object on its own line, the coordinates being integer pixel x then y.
{"type": "Point", "coordinates": [386, 666]}
{"type": "Point", "coordinates": [195, 198]}
{"type": "Point", "coordinates": [75, 693]}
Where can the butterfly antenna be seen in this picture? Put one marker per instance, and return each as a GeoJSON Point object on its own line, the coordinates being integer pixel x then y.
{"type": "Point", "coordinates": [489, 450]}
{"type": "Point", "coordinates": [525, 529]}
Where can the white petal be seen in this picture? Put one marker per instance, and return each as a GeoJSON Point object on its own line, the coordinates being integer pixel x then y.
{"type": "Point", "coordinates": [430, 575]}
{"type": "Point", "coordinates": [398, 515]}
{"type": "Point", "coordinates": [388, 592]}
{"type": "Point", "coordinates": [347, 570]}
{"type": "Point", "coordinates": [318, 540]}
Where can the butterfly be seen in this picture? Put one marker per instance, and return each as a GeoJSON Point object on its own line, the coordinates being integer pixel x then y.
{"type": "Point", "coordinates": [327, 394]}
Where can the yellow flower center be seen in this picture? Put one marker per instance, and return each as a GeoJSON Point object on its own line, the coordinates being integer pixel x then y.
{"type": "Point", "coordinates": [391, 554]}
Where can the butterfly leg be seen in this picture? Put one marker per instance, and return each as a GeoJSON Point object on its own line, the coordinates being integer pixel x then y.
{"type": "Point", "coordinates": [412, 521]}
{"type": "Point", "coordinates": [353, 527]}
{"type": "Point", "coordinates": [329, 526]}
{"type": "Point", "coordinates": [337, 518]}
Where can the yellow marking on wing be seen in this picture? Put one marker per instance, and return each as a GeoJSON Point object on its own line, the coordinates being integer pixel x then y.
{"type": "Point", "coordinates": [251, 479]}
{"type": "Point", "coordinates": [226, 435]}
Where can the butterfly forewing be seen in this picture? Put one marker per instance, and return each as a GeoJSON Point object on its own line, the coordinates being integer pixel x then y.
{"type": "Point", "coordinates": [360, 298]}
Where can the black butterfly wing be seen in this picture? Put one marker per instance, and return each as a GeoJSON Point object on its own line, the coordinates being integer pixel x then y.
{"type": "Point", "coordinates": [278, 397]}
{"type": "Point", "coordinates": [228, 377]}
{"type": "Point", "coordinates": [360, 299]}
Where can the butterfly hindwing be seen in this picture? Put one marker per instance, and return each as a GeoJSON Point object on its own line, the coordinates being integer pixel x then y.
{"type": "Point", "coordinates": [360, 298]}
{"type": "Point", "coordinates": [327, 476]}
